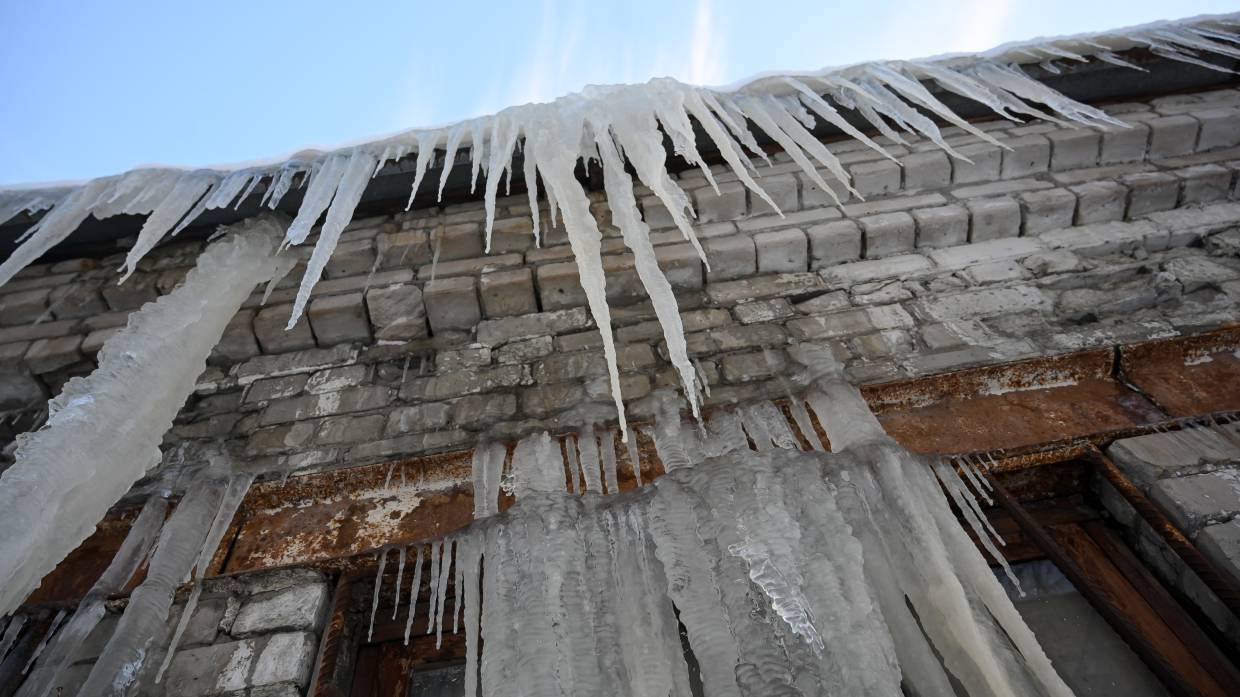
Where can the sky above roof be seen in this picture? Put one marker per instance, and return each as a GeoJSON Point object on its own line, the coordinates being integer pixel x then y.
{"type": "Point", "coordinates": [98, 88]}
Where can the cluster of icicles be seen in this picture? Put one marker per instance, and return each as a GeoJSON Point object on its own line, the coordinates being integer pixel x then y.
{"type": "Point", "coordinates": [620, 127]}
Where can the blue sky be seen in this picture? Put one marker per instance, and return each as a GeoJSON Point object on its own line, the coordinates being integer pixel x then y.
{"type": "Point", "coordinates": [95, 88]}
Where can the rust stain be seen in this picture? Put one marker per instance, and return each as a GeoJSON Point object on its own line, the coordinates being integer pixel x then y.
{"type": "Point", "coordinates": [1188, 376]}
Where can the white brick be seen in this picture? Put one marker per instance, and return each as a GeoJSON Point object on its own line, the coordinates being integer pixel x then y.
{"type": "Point", "coordinates": [1028, 155]}
{"type": "Point", "coordinates": [833, 243]}
{"type": "Point", "coordinates": [1172, 135]}
{"type": "Point", "coordinates": [1073, 149]}
{"type": "Point", "coordinates": [993, 218]}
{"type": "Point", "coordinates": [1047, 210]}
{"type": "Point", "coordinates": [1098, 202]}
{"type": "Point", "coordinates": [875, 178]}
{"type": "Point", "coordinates": [943, 226]}
{"type": "Point", "coordinates": [1124, 144]}
{"type": "Point", "coordinates": [926, 170]}
{"type": "Point", "coordinates": [1220, 128]}
{"type": "Point", "coordinates": [730, 257]}
{"type": "Point", "coordinates": [887, 234]}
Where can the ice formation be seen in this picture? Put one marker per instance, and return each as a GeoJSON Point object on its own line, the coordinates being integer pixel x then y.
{"type": "Point", "coordinates": [621, 128]}
{"type": "Point", "coordinates": [104, 430]}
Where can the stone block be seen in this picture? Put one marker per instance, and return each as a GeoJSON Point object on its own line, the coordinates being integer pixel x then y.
{"type": "Point", "coordinates": [131, 294]}
{"type": "Point", "coordinates": [1220, 128]}
{"type": "Point", "coordinates": [292, 363]}
{"type": "Point", "coordinates": [238, 342]}
{"type": "Point", "coordinates": [903, 266]}
{"type": "Point", "coordinates": [23, 307]}
{"type": "Point", "coordinates": [544, 400]}
{"type": "Point", "coordinates": [326, 404]}
{"type": "Point", "coordinates": [397, 312]}
{"type": "Point", "coordinates": [336, 379]}
{"type": "Point", "coordinates": [339, 319]}
{"type": "Point", "coordinates": [285, 658]}
{"type": "Point", "coordinates": [782, 251]}
{"type": "Point", "coordinates": [943, 226]}
{"type": "Point", "coordinates": [1221, 543]}
{"type": "Point", "coordinates": [877, 178]}
{"type": "Point", "coordinates": [993, 218]}
{"type": "Point", "coordinates": [275, 388]}
{"type": "Point", "coordinates": [48, 355]}
{"type": "Point", "coordinates": [1121, 144]}
{"type": "Point", "coordinates": [470, 267]}
{"type": "Point", "coordinates": [408, 248]}
{"type": "Point", "coordinates": [559, 286]}
{"type": "Point", "coordinates": [1203, 184]}
{"type": "Point", "coordinates": [526, 350]}
{"type": "Point", "coordinates": [926, 170]}
{"type": "Point", "coordinates": [1193, 500]}
{"type": "Point", "coordinates": [77, 300]}
{"type": "Point", "coordinates": [1002, 249]}
{"type": "Point", "coordinates": [422, 417]}
{"type": "Point", "coordinates": [269, 325]}
{"type": "Point", "coordinates": [480, 410]}
{"type": "Point", "coordinates": [681, 265]}
{"type": "Point", "coordinates": [508, 293]}
{"type": "Point", "coordinates": [19, 390]}
{"type": "Point", "coordinates": [1172, 136]}
{"type": "Point", "coordinates": [1028, 155]}
{"type": "Point", "coordinates": [211, 670]}
{"type": "Point", "coordinates": [985, 164]}
{"type": "Point", "coordinates": [893, 204]}
{"type": "Point", "coordinates": [1046, 210]}
{"type": "Point", "coordinates": [986, 302]}
{"type": "Point", "coordinates": [1149, 192]}
{"type": "Point", "coordinates": [339, 430]}
{"type": "Point", "coordinates": [1099, 202]}
{"type": "Point", "coordinates": [728, 204]}
{"type": "Point", "coordinates": [755, 365]}
{"type": "Point", "coordinates": [515, 234]}
{"type": "Point", "coordinates": [1106, 238]}
{"type": "Point", "coordinates": [299, 607]}
{"type": "Point", "coordinates": [351, 258]}
{"type": "Point", "coordinates": [1074, 149]}
{"type": "Point", "coordinates": [458, 241]}
{"type": "Point", "coordinates": [730, 257]}
{"type": "Point", "coordinates": [763, 310]}
{"type": "Point", "coordinates": [782, 189]}
{"type": "Point", "coordinates": [440, 387]}
{"type": "Point", "coordinates": [846, 323]}
{"type": "Point", "coordinates": [887, 234]}
{"type": "Point", "coordinates": [834, 242]}
{"type": "Point", "coordinates": [96, 339]}
{"type": "Point", "coordinates": [462, 359]}
{"type": "Point", "coordinates": [452, 303]}
{"type": "Point", "coordinates": [495, 332]}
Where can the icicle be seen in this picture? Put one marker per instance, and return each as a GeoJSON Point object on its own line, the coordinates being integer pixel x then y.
{"type": "Point", "coordinates": [427, 140]}
{"type": "Point", "coordinates": [458, 583]}
{"type": "Point", "coordinates": [607, 449]}
{"type": "Point", "coordinates": [48, 493]}
{"type": "Point", "coordinates": [445, 568]}
{"type": "Point", "coordinates": [53, 228]}
{"type": "Point", "coordinates": [400, 575]}
{"type": "Point", "coordinates": [635, 458]}
{"type": "Point", "coordinates": [471, 557]}
{"type": "Point", "coordinates": [14, 628]}
{"type": "Point", "coordinates": [374, 602]}
{"type": "Point", "coordinates": [414, 589]}
{"type": "Point", "coordinates": [805, 423]}
{"type": "Point", "coordinates": [47, 636]}
{"type": "Point", "coordinates": [574, 467]}
{"type": "Point", "coordinates": [538, 466]}
{"type": "Point", "coordinates": [455, 135]}
{"type": "Point", "coordinates": [187, 192]}
{"type": "Point", "coordinates": [433, 602]}
{"type": "Point", "coordinates": [487, 465]}
{"type": "Point", "coordinates": [587, 449]}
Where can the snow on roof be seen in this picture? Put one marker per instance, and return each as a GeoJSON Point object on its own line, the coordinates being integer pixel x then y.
{"type": "Point", "coordinates": [619, 126]}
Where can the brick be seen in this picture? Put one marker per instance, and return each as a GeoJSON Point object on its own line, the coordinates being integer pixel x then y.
{"type": "Point", "coordinates": [782, 189]}
{"type": "Point", "coordinates": [462, 359]}
{"type": "Point", "coordinates": [1074, 149]}
{"type": "Point", "coordinates": [986, 302]}
{"type": "Point", "coordinates": [441, 387]}
{"type": "Point", "coordinates": [1193, 500]}
{"type": "Point", "coordinates": [728, 204]}
{"type": "Point", "coordinates": [1106, 238]}
{"type": "Point", "coordinates": [77, 300]}
{"type": "Point", "coordinates": [1124, 144]}
{"type": "Point", "coordinates": [985, 164]}
{"type": "Point", "coordinates": [425, 417]}
{"type": "Point", "coordinates": [836, 242]}
{"type": "Point", "coordinates": [269, 325]}
{"type": "Point", "coordinates": [783, 284]}
{"type": "Point", "coordinates": [655, 213]}
{"type": "Point", "coordinates": [1028, 155]}
{"type": "Point", "coordinates": [544, 400]}
{"type": "Point", "coordinates": [96, 339]}
{"type": "Point", "coordinates": [508, 293]}
{"type": "Point", "coordinates": [730, 257]}
{"type": "Point", "coordinates": [1149, 192]}
{"type": "Point", "coordinates": [890, 205]}
{"type": "Point", "coordinates": [782, 251]}
{"type": "Point", "coordinates": [339, 319]}
{"type": "Point", "coordinates": [964, 256]}
{"type": "Point", "coordinates": [409, 248]}
{"type": "Point", "coordinates": [286, 658]}
{"type": "Point", "coordinates": [999, 188]}
{"type": "Point", "coordinates": [397, 312]}
{"type": "Point", "coordinates": [813, 196]}
{"type": "Point", "coordinates": [559, 286]}
{"type": "Point", "coordinates": [876, 178]}
{"type": "Point", "coordinates": [132, 294]}
{"type": "Point", "coordinates": [527, 350]}
{"type": "Point", "coordinates": [732, 338]}
{"type": "Point", "coordinates": [28, 332]}
{"type": "Point", "coordinates": [470, 267]}
{"type": "Point", "coordinates": [351, 258]}
{"type": "Point", "coordinates": [1046, 210]}
{"type": "Point", "coordinates": [926, 170]}
{"type": "Point", "coordinates": [48, 355]}
{"type": "Point", "coordinates": [681, 265]}
{"type": "Point", "coordinates": [903, 266]}
{"type": "Point", "coordinates": [763, 310]}
{"type": "Point", "coordinates": [943, 226]}
{"type": "Point", "coordinates": [210, 670]}
{"type": "Point", "coordinates": [459, 241]}
{"type": "Point", "coordinates": [514, 234]}
{"type": "Point", "coordinates": [1203, 184]}
{"type": "Point", "coordinates": [851, 322]}
{"type": "Point", "coordinates": [23, 307]}
{"type": "Point", "coordinates": [1099, 202]}
{"type": "Point", "coordinates": [479, 410]}
{"type": "Point", "coordinates": [494, 332]}
{"type": "Point", "coordinates": [452, 303]}
{"type": "Point", "coordinates": [1171, 136]}
{"type": "Point", "coordinates": [887, 234]}
{"type": "Point", "coordinates": [756, 365]}
{"type": "Point", "coordinates": [294, 608]}
{"type": "Point", "coordinates": [993, 218]}
{"type": "Point", "coordinates": [1220, 128]}
{"type": "Point", "coordinates": [326, 404]}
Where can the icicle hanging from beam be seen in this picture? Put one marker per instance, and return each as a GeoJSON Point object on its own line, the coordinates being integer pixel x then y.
{"type": "Point", "coordinates": [104, 430]}
{"type": "Point", "coordinates": [617, 126]}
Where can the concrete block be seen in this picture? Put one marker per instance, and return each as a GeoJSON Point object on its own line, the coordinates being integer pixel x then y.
{"type": "Point", "coordinates": [943, 226]}
{"type": "Point", "coordinates": [1074, 149]}
{"type": "Point", "coordinates": [269, 325]}
{"type": "Point", "coordinates": [728, 204]}
{"type": "Point", "coordinates": [835, 242]}
{"type": "Point", "coordinates": [1220, 128]}
{"type": "Point", "coordinates": [926, 170]}
{"type": "Point", "coordinates": [985, 166]}
{"type": "Point", "coordinates": [1124, 144]}
{"type": "Point", "coordinates": [1149, 192]}
{"type": "Point", "coordinates": [782, 251]}
{"type": "Point", "coordinates": [1171, 136]}
{"type": "Point", "coordinates": [1099, 202]}
{"type": "Point", "coordinates": [877, 178]}
{"type": "Point", "coordinates": [397, 312]}
{"type": "Point", "coordinates": [730, 257]}
{"type": "Point", "coordinates": [993, 218]}
{"type": "Point", "coordinates": [339, 319]}
{"type": "Point", "coordinates": [48, 355]}
{"type": "Point", "coordinates": [1028, 155]}
{"type": "Point", "coordinates": [508, 293]}
{"type": "Point", "coordinates": [452, 303]}
{"type": "Point", "coordinates": [1203, 184]}
{"type": "Point", "coordinates": [888, 233]}
{"type": "Point", "coordinates": [1193, 500]}
{"type": "Point", "coordinates": [1046, 210]}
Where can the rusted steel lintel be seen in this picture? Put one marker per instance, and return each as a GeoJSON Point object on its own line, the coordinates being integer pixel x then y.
{"type": "Point", "coordinates": [1222, 584]}
{"type": "Point", "coordinates": [322, 683]}
{"type": "Point", "coordinates": [1121, 623]}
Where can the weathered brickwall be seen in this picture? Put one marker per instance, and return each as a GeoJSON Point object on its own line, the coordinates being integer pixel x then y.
{"type": "Point", "coordinates": [1064, 239]}
{"type": "Point", "coordinates": [255, 636]}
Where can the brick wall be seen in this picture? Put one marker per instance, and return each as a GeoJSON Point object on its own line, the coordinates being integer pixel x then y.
{"type": "Point", "coordinates": [1063, 239]}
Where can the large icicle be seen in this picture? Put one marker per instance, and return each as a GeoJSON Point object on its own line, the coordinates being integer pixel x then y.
{"type": "Point", "coordinates": [103, 432]}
